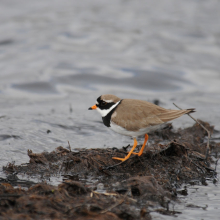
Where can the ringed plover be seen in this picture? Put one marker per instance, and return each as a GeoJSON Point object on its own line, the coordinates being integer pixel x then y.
{"type": "Point", "coordinates": [133, 117]}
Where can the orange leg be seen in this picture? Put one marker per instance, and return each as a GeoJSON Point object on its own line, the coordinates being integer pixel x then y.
{"type": "Point", "coordinates": [143, 146]}
{"type": "Point", "coordinates": [129, 154]}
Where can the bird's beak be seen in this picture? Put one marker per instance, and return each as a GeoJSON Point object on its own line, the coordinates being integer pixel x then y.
{"type": "Point", "coordinates": [93, 107]}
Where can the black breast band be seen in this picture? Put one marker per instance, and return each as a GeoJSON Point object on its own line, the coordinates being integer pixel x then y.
{"type": "Point", "coordinates": [106, 120]}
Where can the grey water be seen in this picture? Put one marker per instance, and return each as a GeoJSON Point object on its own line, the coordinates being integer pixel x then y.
{"type": "Point", "coordinates": [57, 57]}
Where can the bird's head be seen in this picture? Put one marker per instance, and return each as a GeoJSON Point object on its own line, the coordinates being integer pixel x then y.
{"type": "Point", "coordinates": [105, 103]}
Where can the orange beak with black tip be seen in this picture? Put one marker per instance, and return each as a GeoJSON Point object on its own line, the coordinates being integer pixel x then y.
{"type": "Point", "coordinates": [93, 107]}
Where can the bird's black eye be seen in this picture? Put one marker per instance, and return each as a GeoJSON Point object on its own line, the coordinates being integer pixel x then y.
{"type": "Point", "coordinates": [103, 103]}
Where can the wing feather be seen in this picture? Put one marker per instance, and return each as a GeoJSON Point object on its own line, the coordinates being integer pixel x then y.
{"type": "Point", "coordinates": [135, 114]}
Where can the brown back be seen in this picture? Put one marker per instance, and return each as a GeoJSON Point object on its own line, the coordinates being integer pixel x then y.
{"type": "Point", "coordinates": [135, 114]}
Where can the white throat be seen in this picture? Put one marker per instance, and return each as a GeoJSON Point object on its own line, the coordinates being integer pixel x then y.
{"type": "Point", "coordinates": [104, 112]}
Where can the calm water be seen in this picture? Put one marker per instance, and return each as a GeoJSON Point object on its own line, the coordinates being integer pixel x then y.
{"type": "Point", "coordinates": [57, 57]}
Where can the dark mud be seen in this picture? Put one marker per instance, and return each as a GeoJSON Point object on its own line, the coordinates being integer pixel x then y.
{"type": "Point", "coordinates": [94, 187]}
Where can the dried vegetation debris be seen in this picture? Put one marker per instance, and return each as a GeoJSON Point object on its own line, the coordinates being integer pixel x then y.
{"type": "Point", "coordinates": [96, 187]}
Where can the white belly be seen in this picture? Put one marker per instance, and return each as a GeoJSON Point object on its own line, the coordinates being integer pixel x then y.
{"type": "Point", "coordinates": [133, 134]}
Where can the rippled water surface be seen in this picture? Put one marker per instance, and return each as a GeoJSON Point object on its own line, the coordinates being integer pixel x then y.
{"type": "Point", "coordinates": [57, 57]}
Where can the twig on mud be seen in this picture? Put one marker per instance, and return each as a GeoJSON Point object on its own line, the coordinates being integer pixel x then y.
{"type": "Point", "coordinates": [116, 204]}
{"type": "Point", "coordinates": [111, 167]}
{"type": "Point", "coordinates": [216, 163]}
{"type": "Point", "coordinates": [111, 194]}
{"type": "Point", "coordinates": [69, 146]}
{"type": "Point", "coordinates": [209, 136]}
{"type": "Point", "coordinates": [125, 148]}
{"type": "Point", "coordinates": [61, 166]}
{"type": "Point", "coordinates": [214, 176]}
{"type": "Point", "coordinates": [105, 171]}
{"type": "Point", "coordinates": [113, 206]}
{"type": "Point", "coordinates": [198, 166]}
{"type": "Point", "coordinates": [106, 194]}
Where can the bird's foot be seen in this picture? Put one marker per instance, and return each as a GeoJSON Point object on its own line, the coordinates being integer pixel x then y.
{"type": "Point", "coordinates": [139, 154]}
{"type": "Point", "coordinates": [136, 153]}
{"type": "Point", "coordinates": [121, 159]}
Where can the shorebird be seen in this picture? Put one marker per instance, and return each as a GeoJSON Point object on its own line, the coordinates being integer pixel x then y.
{"type": "Point", "coordinates": [134, 118]}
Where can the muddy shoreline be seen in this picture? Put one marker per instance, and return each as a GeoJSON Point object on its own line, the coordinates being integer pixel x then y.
{"type": "Point", "coordinates": [95, 187]}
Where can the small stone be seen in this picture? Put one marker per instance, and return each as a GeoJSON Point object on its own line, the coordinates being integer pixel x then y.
{"type": "Point", "coordinates": [100, 186]}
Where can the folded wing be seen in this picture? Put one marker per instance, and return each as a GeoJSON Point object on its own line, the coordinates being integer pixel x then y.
{"type": "Point", "coordinates": [137, 114]}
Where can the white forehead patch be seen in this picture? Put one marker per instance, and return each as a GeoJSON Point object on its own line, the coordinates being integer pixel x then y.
{"type": "Point", "coordinates": [96, 103]}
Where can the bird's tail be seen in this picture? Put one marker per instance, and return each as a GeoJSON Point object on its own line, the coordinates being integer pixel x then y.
{"type": "Point", "coordinates": [173, 114]}
{"type": "Point", "coordinates": [190, 110]}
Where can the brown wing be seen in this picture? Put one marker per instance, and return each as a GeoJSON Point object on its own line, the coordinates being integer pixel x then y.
{"type": "Point", "coordinates": [136, 114]}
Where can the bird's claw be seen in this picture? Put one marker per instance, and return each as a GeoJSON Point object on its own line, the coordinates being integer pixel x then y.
{"type": "Point", "coordinates": [121, 159]}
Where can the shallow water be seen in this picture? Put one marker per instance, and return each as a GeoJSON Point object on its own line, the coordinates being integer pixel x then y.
{"type": "Point", "coordinates": [57, 57]}
{"type": "Point", "coordinates": [202, 202]}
